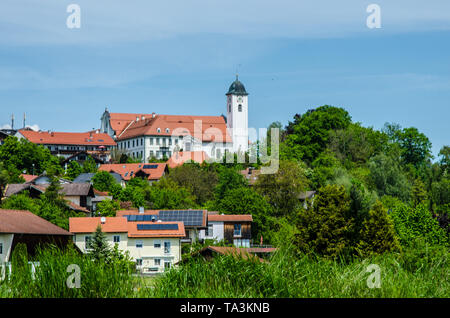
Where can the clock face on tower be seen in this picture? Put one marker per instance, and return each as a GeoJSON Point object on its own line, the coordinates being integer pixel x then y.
{"type": "Point", "coordinates": [239, 99]}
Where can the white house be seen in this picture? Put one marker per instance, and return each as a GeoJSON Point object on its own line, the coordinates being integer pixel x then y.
{"type": "Point", "coordinates": [153, 135]}
{"type": "Point", "coordinates": [155, 246]}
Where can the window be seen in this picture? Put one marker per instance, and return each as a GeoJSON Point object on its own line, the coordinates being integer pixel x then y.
{"type": "Point", "coordinates": [209, 231]}
{"type": "Point", "coordinates": [139, 261]}
{"type": "Point", "coordinates": [151, 141]}
{"type": "Point", "coordinates": [218, 153]}
{"type": "Point", "coordinates": [139, 244]}
{"type": "Point", "coordinates": [170, 141]}
{"type": "Point", "coordinates": [87, 241]}
{"type": "Point", "coordinates": [128, 144]}
{"type": "Point", "coordinates": [116, 238]}
{"type": "Point", "coordinates": [158, 130]}
{"type": "Point", "coordinates": [240, 108]}
{"type": "Point", "coordinates": [167, 130]}
{"type": "Point", "coordinates": [157, 262]}
{"type": "Point", "coordinates": [237, 230]}
{"type": "Point", "coordinates": [142, 141]}
{"type": "Point", "coordinates": [166, 265]}
{"type": "Point", "coordinates": [133, 143]}
{"type": "Point", "coordinates": [151, 153]}
{"type": "Point", "coordinates": [176, 141]}
{"type": "Point", "coordinates": [167, 247]}
{"type": "Point", "coordinates": [157, 141]}
{"type": "Point", "coordinates": [1, 248]}
{"type": "Point", "coordinates": [157, 244]}
{"type": "Point", "coordinates": [229, 108]}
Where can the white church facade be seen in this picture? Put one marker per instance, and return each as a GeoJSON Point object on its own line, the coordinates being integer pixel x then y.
{"type": "Point", "coordinates": [153, 135]}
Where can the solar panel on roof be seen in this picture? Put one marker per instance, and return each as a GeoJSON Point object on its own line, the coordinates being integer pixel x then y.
{"type": "Point", "coordinates": [156, 226]}
{"type": "Point", "coordinates": [150, 166]}
{"type": "Point", "coordinates": [188, 217]}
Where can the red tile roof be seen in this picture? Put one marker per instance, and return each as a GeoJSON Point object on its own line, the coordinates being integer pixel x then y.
{"type": "Point", "coordinates": [25, 222]}
{"type": "Point", "coordinates": [230, 218]}
{"type": "Point", "coordinates": [211, 128]}
{"type": "Point", "coordinates": [28, 177]}
{"type": "Point", "coordinates": [68, 138]}
{"type": "Point", "coordinates": [89, 225]}
{"type": "Point", "coordinates": [120, 225]}
{"type": "Point", "coordinates": [178, 158]}
{"type": "Point", "coordinates": [129, 170]}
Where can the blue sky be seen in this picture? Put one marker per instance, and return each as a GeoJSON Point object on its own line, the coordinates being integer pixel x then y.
{"type": "Point", "coordinates": [179, 57]}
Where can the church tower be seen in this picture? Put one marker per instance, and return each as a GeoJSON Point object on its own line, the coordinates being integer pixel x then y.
{"type": "Point", "coordinates": [237, 115]}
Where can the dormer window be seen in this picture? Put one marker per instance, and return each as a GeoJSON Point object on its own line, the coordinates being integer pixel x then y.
{"type": "Point", "coordinates": [240, 108]}
{"type": "Point", "coordinates": [158, 130]}
{"type": "Point", "coordinates": [167, 130]}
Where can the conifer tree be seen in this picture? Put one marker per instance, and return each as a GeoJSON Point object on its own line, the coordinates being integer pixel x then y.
{"type": "Point", "coordinates": [99, 247]}
{"type": "Point", "coordinates": [377, 234]}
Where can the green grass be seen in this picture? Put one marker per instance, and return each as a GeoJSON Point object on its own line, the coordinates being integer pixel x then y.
{"type": "Point", "coordinates": [414, 273]}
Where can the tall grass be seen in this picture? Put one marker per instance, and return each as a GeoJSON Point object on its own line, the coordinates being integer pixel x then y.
{"type": "Point", "coordinates": [415, 273]}
{"type": "Point", "coordinates": [97, 279]}
{"type": "Point", "coordinates": [288, 275]}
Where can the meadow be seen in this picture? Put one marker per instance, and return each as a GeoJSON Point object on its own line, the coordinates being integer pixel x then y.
{"type": "Point", "coordinates": [412, 273]}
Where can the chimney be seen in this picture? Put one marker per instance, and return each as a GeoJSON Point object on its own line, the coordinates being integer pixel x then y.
{"type": "Point", "coordinates": [153, 115]}
{"type": "Point", "coordinates": [137, 118]}
{"type": "Point", "coordinates": [143, 117]}
{"type": "Point", "coordinates": [141, 210]}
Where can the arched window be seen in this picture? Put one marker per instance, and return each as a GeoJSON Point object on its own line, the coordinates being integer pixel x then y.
{"type": "Point", "coordinates": [240, 108]}
{"type": "Point", "coordinates": [229, 108]}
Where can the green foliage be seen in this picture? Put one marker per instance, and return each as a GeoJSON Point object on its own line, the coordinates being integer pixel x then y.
{"type": "Point", "coordinates": [73, 170]}
{"type": "Point", "coordinates": [412, 223]}
{"type": "Point", "coordinates": [377, 235]}
{"type": "Point", "coordinates": [419, 193]}
{"type": "Point", "coordinates": [200, 181]}
{"type": "Point", "coordinates": [325, 229]}
{"type": "Point", "coordinates": [388, 179]}
{"type": "Point", "coordinates": [356, 144]}
{"type": "Point", "coordinates": [166, 194]}
{"type": "Point", "coordinates": [103, 181]}
{"type": "Point", "coordinates": [21, 155]}
{"type": "Point", "coordinates": [107, 208]}
{"type": "Point", "coordinates": [89, 165]}
{"type": "Point", "coordinates": [97, 279]}
{"type": "Point", "coordinates": [283, 188]}
{"type": "Point", "coordinates": [229, 178]}
{"type": "Point", "coordinates": [308, 135]}
{"type": "Point", "coordinates": [99, 249]}
{"type": "Point", "coordinates": [247, 201]}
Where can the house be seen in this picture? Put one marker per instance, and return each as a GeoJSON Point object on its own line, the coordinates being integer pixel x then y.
{"type": "Point", "coordinates": [156, 135]}
{"type": "Point", "coordinates": [307, 198]}
{"type": "Point", "coordinates": [194, 220]}
{"type": "Point", "coordinates": [233, 229]}
{"type": "Point", "coordinates": [17, 226]}
{"type": "Point", "coordinates": [147, 171]}
{"type": "Point", "coordinates": [255, 254]}
{"type": "Point", "coordinates": [67, 144]}
{"type": "Point", "coordinates": [251, 175]}
{"type": "Point", "coordinates": [28, 177]}
{"type": "Point", "coordinates": [87, 178]}
{"type": "Point", "coordinates": [81, 156]}
{"type": "Point", "coordinates": [78, 195]}
{"type": "Point", "coordinates": [180, 157]}
{"type": "Point", "coordinates": [99, 197]}
{"type": "Point", "coordinates": [154, 246]}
